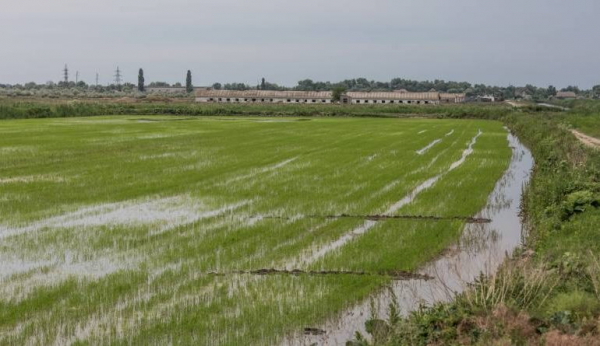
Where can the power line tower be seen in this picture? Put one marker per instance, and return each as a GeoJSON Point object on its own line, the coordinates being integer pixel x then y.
{"type": "Point", "coordinates": [96, 78]}
{"type": "Point", "coordinates": [76, 77]}
{"type": "Point", "coordinates": [66, 74]}
{"type": "Point", "coordinates": [118, 76]}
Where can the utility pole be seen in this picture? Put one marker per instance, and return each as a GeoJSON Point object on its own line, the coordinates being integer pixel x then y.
{"type": "Point", "coordinates": [118, 76]}
{"type": "Point", "coordinates": [66, 74]}
{"type": "Point", "coordinates": [76, 77]}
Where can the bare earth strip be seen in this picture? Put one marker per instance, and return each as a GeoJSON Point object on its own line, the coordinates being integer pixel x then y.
{"type": "Point", "coordinates": [587, 140]}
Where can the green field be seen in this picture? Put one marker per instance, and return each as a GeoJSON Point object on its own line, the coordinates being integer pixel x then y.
{"type": "Point", "coordinates": [111, 226]}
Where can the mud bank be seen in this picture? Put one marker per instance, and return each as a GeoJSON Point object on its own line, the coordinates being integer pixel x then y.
{"type": "Point", "coordinates": [393, 274]}
{"type": "Point", "coordinates": [379, 217]}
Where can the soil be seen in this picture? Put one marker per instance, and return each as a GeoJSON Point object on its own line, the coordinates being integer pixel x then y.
{"type": "Point", "coordinates": [467, 219]}
{"type": "Point", "coordinates": [394, 274]}
{"type": "Point", "coordinates": [314, 331]}
{"type": "Point", "coordinates": [589, 141]}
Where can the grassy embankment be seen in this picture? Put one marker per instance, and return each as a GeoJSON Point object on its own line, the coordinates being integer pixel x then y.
{"type": "Point", "coordinates": [550, 293]}
{"type": "Point", "coordinates": [21, 109]}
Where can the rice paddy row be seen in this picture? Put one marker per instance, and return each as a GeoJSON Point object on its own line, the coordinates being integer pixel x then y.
{"type": "Point", "coordinates": [110, 226]}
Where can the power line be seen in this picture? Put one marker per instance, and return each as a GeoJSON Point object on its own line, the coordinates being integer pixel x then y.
{"type": "Point", "coordinates": [118, 76]}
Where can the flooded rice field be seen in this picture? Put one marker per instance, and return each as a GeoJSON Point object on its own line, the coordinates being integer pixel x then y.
{"type": "Point", "coordinates": [481, 249]}
{"type": "Point", "coordinates": [146, 230]}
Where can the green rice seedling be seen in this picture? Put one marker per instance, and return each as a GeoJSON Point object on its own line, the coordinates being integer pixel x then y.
{"type": "Point", "coordinates": [140, 229]}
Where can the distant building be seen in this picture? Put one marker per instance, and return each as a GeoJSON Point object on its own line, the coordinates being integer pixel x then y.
{"type": "Point", "coordinates": [523, 94]}
{"type": "Point", "coordinates": [325, 97]}
{"type": "Point", "coordinates": [263, 96]}
{"type": "Point", "coordinates": [452, 98]}
{"type": "Point", "coordinates": [487, 98]}
{"type": "Point", "coordinates": [386, 97]}
{"type": "Point", "coordinates": [171, 90]}
{"type": "Point", "coordinates": [566, 95]}
{"type": "Point", "coordinates": [165, 90]}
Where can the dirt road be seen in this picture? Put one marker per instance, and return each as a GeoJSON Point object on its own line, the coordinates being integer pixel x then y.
{"type": "Point", "coordinates": [587, 140]}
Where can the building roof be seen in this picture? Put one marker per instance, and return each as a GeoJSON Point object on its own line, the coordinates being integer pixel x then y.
{"type": "Point", "coordinates": [165, 88]}
{"type": "Point", "coordinates": [264, 94]}
{"type": "Point", "coordinates": [566, 94]}
{"type": "Point", "coordinates": [174, 88]}
{"type": "Point", "coordinates": [378, 95]}
{"type": "Point", "coordinates": [427, 96]}
{"type": "Point", "coordinates": [451, 96]}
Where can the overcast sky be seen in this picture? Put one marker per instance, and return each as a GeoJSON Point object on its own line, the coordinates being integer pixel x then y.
{"type": "Point", "coordinates": [496, 42]}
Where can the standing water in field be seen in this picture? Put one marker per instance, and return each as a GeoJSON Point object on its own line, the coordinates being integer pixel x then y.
{"type": "Point", "coordinates": [481, 249]}
{"type": "Point", "coordinates": [368, 224]}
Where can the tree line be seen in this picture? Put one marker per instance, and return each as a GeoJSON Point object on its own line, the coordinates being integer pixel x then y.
{"type": "Point", "coordinates": [363, 84]}
{"type": "Point", "coordinates": [356, 84]}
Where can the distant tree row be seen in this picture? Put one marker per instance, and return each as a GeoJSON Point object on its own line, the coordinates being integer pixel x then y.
{"type": "Point", "coordinates": [362, 84]}
{"type": "Point", "coordinates": [188, 82]}
{"type": "Point", "coordinates": [357, 84]}
{"type": "Point", "coordinates": [264, 85]}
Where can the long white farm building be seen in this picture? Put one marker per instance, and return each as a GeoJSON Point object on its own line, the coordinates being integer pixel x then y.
{"type": "Point", "coordinates": [325, 97]}
{"type": "Point", "coordinates": [263, 96]}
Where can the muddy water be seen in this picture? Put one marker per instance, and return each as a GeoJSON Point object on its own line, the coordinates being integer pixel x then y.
{"type": "Point", "coordinates": [481, 249]}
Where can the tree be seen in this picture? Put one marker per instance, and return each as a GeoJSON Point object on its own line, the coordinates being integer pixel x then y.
{"type": "Point", "coordinates": [572, 88]}
{"type": "Point", "coordinates": [306, 85]}
{"type": "Point", "coordinates": [141, 87]}
{"type": "Point", "coordinates": [263, 84]}
{"type": "Point", "coordinates": [509, 92]}
{"type": "Point", "coordinates": [337, 93]}
{"type": "Point", "coordinates": [236, 86]}
{"type": "Point", "coordinates": [596, 89]}
{"type": "Point", "coordinates": [551, 90]}
{"type": "Point", "coordinates": [217, 86]}
{"type": "Point", "coordinates": [188, 82]}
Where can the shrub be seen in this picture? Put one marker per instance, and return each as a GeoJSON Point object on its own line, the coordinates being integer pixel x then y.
{"type": "Point", "coordinates": [578, 202]}
{"type": "Point", "coordinates": [572, 306]}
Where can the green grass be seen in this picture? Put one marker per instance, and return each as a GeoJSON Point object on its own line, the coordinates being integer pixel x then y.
{"type": "Point", "coordinates": [11, 108]}
{"type": "Point", "coordinates": [552, 293]}
{"type": "Point", "coordinates": [110, 224]}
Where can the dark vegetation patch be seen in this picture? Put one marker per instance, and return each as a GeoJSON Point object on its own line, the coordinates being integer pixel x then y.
{"type": "Point", "coordinates": [10, 109]}
{"type": "Point", "coordinates": [314, 331]}
{"type": "Point", "coordinates": [155, 120]}
{"type": "Point", "coordinates": [466, 219]}
{"type": "Point", "coordinates": [393, 274]}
